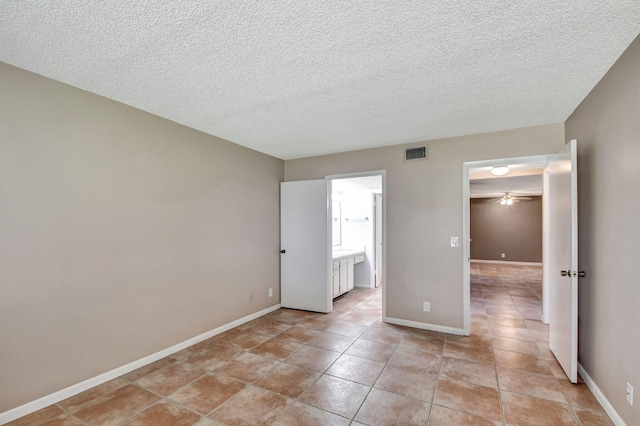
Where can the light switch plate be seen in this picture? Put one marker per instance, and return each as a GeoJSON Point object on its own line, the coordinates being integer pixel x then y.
{"type": "Point", "coordinates": [454, 241]}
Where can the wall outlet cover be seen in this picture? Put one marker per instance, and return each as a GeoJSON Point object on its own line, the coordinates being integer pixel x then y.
{"type": "Point", "coordinates": [426, 306]}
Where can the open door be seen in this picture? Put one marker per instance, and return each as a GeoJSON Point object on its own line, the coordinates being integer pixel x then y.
{"type": "Point", "coordinates": [563, 259]}
{"type": "Point", "coordinates": [305, 246]}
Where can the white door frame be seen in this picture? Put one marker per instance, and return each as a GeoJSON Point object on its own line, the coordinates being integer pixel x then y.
{"type": "Point", "coordinates": [466, 234]}
{"type": "Point", "coordinates": [383, 174]}
{"type": "Point", "coordinates": [377, 276]}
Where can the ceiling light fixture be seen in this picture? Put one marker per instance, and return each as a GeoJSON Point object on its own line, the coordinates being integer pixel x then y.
{"type": "Point", "coordinates": [507, 200]}
{"type": "Point", "coordinates": [499, 170]}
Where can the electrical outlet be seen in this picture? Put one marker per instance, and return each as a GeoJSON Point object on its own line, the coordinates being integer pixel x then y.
{"type": "Point", "coordinates": [502, 255]}
{"type": "Point", "coordinates": [454, 241]}
{"type": "Point", "coordinates": [629, 394]}
{"type": "Point", "coordinates": [250, 296]}
{"type": "Point", "coordinates": [426, 306]}
{"type": "Point", "coordinates": [270, 292]}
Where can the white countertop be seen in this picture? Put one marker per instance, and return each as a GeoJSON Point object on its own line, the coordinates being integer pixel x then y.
{"type": "Point", "coordinates": [340, 253]}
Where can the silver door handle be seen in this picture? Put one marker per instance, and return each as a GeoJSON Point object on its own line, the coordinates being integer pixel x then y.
{"type": "Point", "coordinates": [566, 273]}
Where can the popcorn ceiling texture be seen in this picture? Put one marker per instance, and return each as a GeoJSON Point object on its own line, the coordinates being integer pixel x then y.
{"type": "Point", "coordinates": [300, 78]}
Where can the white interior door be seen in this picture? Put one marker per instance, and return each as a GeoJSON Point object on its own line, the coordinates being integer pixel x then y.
{"type": "Point", "coordinates": [563, 259]}
{"type": "Point", "coordinates": [378, 238]}
{"type": "Point", "coordinates": [305, 246]}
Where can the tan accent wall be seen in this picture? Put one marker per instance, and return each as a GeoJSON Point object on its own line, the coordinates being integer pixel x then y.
{"type": "Point", "coordinates": [607, 127]}
{"type": "Point", "coordinates": [121, 234]}
{"type": "Point", "coordinates": [424, 210]}
{"type": "Point", "coordinates": [514, 230]}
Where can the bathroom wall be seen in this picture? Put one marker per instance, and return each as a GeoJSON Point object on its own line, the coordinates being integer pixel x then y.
{"type": "Point", "coordinates": [358, 231]}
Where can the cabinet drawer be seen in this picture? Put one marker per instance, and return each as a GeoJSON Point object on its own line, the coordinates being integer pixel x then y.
{"type": "Point", "coordinates": [359, 258]}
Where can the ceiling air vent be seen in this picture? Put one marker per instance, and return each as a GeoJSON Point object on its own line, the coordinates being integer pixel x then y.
{"type": "Point", "coordinates": [419, 153]}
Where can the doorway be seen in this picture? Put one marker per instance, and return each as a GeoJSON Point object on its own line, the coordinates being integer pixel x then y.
{"type": "Point", "coordinates": [357, 232]}
{"type": "Point", "coordinates": [307, 238]}
{"type": "Point", "coordinates": [560, 250]}
{"type": "Point", "coordinates": [481, 170]}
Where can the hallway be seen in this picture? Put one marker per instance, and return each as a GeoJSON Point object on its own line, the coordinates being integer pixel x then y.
{"type": "Point", "coordinates": [348, 367]}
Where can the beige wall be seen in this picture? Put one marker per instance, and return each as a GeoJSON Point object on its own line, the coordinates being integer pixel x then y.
{"type": "Point", "coordinates": [424, 209]}
{"type": "Point", "coordinates": [607, 127]}
{"type": "Point", "coordinates": [514, 230]}
{"type": "Point", "coordinates": [121, 234]}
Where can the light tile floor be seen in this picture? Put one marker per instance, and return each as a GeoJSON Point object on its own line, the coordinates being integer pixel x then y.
{"type": "Point", "coordinates": [348, 367]}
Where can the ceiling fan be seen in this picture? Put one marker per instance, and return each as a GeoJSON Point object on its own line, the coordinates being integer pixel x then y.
{"type": "Point", "coordinates": [507, 199]}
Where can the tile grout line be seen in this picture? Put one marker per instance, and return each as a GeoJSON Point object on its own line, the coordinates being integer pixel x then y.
{"type": "Point", "coordinates": [555, 378]}
{"type": "Point", "coordinates": [324, 373]}
{"type": "Point", "coordinates": [343, 318]}
{"type": "Point", "coordinates": [435, 390]}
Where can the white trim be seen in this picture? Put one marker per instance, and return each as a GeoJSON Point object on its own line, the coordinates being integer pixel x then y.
{"type": "Point", "coordinates": [507, 262]}
{"type": "Point", "coordinates": [466, 252]}
{"type": "Point", "coordinates": [425, 326]}
{"type": "Point", "coordinates": [329, 247]}
{"type": "Point", "coordinates": [546, 246]}
{"type": "Point", "coordinates": [45, 401]}
{"type": "Point", "coordinates": [372, 264]}
{"type": "Point", "coordinates": [595, 390]}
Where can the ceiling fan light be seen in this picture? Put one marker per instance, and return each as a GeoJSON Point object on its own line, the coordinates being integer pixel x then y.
{"type": "Point", "coordinates": [509, 201]}
{"type": "Point", "coordinates": [503, 202]}
{"type": "Point", "coordinates": [499, 170]}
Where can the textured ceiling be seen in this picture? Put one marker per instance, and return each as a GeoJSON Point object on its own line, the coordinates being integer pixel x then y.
{"type": "Point", "coordinates": [295, 79]}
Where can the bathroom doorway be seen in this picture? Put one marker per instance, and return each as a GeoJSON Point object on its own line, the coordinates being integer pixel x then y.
{"type": "Point", "coordinates": [357, 232]}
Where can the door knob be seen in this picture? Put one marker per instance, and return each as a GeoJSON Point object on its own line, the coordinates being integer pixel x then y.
{"type": "Point", "coordinates": [568, 273]}
{"type": "Point", "coordinates": [283, 251]}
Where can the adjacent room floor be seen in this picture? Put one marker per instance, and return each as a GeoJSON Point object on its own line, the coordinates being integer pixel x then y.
{"type": "Point", "coordinates": [347, 367]}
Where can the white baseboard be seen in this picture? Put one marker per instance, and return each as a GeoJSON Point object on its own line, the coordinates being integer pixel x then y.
{"type": "Point", "coordinates": [72, 390]}
{"type": "Point", "coordinates": [595, 390]}
{"type": "Point", "coordinates": [425, 326]}
{"type": "Point", "coordinates": [507, 262]}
